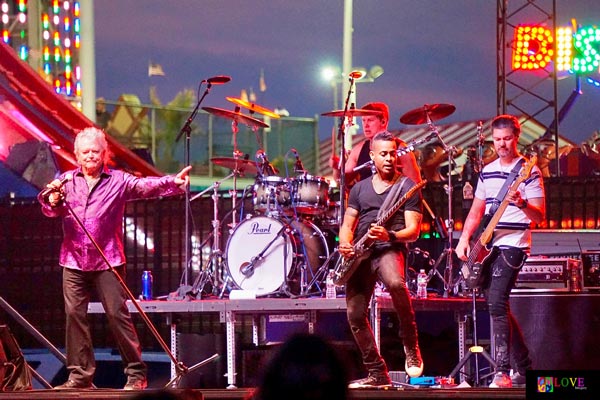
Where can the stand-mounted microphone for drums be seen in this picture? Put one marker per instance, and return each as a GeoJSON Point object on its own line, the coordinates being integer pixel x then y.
{"type": "Point", "coordinates": [247, 268]}
{"type": "Point", "coordinates": [298, 167]}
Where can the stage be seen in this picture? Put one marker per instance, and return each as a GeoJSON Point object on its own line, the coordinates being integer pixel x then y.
{"type": "Point", "coordinates": [241, 394]}
{"type": "Point", "coordinates": [311, 313]}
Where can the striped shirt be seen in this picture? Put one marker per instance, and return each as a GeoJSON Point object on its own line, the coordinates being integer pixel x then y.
{"type": "Point", "coordinates": [513, 229]}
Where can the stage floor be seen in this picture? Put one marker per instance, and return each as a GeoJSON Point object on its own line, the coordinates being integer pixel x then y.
{"type": "Point", "coordinates": [240, 394]}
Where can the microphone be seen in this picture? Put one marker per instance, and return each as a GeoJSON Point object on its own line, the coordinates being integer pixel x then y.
{"type": "Point", "coordinates": [217, 80]}
{"type": "Point", "coordinates": [298, 167]}
{"type": "Point", "coordinates": [357, 74]}
{"type": "Point", "coordinates": [64, 180]}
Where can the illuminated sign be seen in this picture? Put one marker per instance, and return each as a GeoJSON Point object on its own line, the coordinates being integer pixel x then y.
{"type": "Point", "coordinates": [578, 52]}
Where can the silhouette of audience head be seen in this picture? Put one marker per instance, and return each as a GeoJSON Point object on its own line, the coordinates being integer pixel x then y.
{"type": "Point", "coordinates": [305, 367]}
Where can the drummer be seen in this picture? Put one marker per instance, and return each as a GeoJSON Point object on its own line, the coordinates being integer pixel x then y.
{"type": "Point", "coordinates": [372, 125]}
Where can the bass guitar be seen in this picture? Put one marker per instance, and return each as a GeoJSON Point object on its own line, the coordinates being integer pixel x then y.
{"type": "Point", "coordinates": [473, 270]}
{"type": "Point", "coordinates": [345, 267]}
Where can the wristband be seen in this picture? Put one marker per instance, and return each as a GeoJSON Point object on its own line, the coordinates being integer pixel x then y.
{"type": "Point", "coordinates": [392, 236]}
{"type": "Point", "coordinates": [523, 205]}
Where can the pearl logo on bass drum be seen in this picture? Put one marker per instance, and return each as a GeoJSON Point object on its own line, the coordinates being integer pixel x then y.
{"type": "Point", "coordinates": [257, 229]}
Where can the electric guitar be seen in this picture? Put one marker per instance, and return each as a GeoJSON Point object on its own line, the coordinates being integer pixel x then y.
{"type": "Point", "coordinates": [345, 267]}
{"type": "Point", "coordinates": [473, 270]}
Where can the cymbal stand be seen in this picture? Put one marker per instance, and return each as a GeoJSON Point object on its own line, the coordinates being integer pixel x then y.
{"type": "Point", "coordinates": [216, 256]}
{"type": "Point", "coordinates": [237, 154]}
{"type": "Point", "coordinates": [180, 368]}
{"type": "Point", "coordinates": [187, 129]}
{"type": "Point", "coordinates": [448, 251]}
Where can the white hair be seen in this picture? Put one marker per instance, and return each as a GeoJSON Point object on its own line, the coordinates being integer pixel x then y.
{"type": "Point", "coordinates": [97, 135]}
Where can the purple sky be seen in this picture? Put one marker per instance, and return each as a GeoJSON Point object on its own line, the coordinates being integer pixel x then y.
{"type": "Point", "coordinates": [432, 51]}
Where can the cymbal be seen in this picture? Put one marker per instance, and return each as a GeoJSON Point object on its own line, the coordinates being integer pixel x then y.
{"type": "Point", "coordinates": [236, 116]}
{"type": "Point", "coordinates": [235, 164]}
{"type": "Point", "coordinates": [253, 107]}
{"type": "Point", "coordinates": [352, 112]}
{"type": "Point", "coordinates": [419, 115]}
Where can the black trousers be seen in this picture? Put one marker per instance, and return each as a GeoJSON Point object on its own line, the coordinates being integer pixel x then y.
{"type": "Point", "coordinates": [77, 289]}
{"type": "Point", "coordinates": [388, 267]}
{"type": "Point", "coordinates": [508, 337]}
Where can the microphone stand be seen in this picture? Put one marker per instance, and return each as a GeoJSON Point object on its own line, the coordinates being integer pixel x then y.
{"type": "Point", "coordinates": [180, 368]}
{"type": "Point", "coordinates": [184, 286]}
{"type": "Point", "coordinates": [342, 138]}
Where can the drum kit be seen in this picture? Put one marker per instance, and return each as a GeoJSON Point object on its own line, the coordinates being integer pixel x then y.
{"type": "Point", "coordinates": [282, 247]}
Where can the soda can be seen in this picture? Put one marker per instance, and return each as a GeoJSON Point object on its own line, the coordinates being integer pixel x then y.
{"type": "Point", "coordinates": [147, 285]}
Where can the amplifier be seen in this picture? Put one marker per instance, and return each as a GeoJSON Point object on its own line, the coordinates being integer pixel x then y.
{"type": "Point", "coordinates": [555, 274]}
{"type": "Point", "coordinates": [590, 261]}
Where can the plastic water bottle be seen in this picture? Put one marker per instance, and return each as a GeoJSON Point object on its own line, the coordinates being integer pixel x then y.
{"type": "Point", "coordinates": [422, 285]}
{"type": "Point", "coordinates": [330, 292]}
{"type": "Point", "coordinates": [147, 285]}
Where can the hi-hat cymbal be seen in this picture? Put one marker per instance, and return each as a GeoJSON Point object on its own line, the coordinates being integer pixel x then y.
{"type": "Point", "coordinates": [236, 116]}
{"type": "Point", "coordinates": [235, 164]}
{"type": "Point", "coordinates": [434, 111]}
{"type": "Point", "coordinates": [253, 107]}
{"type": "Point", "coordinates": [352, 112]}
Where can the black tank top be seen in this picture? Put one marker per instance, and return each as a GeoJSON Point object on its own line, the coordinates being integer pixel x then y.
{"type": "Point", "coordinates": [364, 157]}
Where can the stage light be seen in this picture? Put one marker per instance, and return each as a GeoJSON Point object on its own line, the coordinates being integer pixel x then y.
{"type": "Point", "coordinates": [564, 46]}
{"type": "Point", "coordinates": [534, 47]}
{"type": "Point", "coordinates": [586, 58]}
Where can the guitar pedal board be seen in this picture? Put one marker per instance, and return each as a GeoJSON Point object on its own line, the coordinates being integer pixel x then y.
{"type": "Point", "coordinates": [551, 274]}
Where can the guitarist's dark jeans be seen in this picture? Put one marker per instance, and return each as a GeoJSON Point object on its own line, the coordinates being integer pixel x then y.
{"type": "Point", "coordinates": [388, 267]}
{"type": "Point", "coordinates": [508, 336]}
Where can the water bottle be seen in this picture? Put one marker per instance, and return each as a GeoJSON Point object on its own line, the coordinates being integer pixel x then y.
{"type": "Point", "coordinates": [422, 285]}
{"type": "Point", "coordinates": [330, 292]}
{"type": "Point", "coordinates": [147, 285]}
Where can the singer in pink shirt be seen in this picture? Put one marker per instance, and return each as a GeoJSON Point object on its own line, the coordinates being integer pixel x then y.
{"type": "Point", "coordinates": [97, 195]}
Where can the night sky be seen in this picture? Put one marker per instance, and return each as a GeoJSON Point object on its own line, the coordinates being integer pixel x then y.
{"type": "Point", "coordinates": [432, 51]}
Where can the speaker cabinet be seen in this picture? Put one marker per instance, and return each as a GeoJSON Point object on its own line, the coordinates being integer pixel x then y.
{"type": "Point", "coordinates": [560, 329]}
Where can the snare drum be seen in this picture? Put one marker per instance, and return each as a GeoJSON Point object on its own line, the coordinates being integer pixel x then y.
{"type": "Point", "coordinates": [271, 194]}
{"type": "Point", "coordinates": [263, 253]}
{"type": "Point", "coordinates": [310, 194]}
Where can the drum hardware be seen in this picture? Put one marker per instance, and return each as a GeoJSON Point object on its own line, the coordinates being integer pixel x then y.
{"type": "Point", "coordinates": [427, 114]}
{"type": "Point", "coordinates": [277, 255]}
{"type": "Point", "coordinates": [210, 273]}
{"type": "Point", "coordinates": [184, 287]}
{"type": "Point", "coordinates": [409, 148]}
{"type": "Point", "coordinates": [253, 107]}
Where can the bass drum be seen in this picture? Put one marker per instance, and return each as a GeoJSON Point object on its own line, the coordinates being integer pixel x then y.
{"type": "Point", "coordinates": [263, 253]}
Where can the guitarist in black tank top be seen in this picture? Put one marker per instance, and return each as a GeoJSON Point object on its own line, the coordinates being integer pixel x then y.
{"type": "Point", "coordinates": [372, 125]}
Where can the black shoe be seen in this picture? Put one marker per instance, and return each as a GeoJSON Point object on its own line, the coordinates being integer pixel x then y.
{"type": "Point", "coordinates": [414, 363]}
{"type": "Point", "coordinates": [72, 385]}
{"type": "Point", "coordinates": [135, 383]}
{"type": "Point", "coordinates": [371, 381]}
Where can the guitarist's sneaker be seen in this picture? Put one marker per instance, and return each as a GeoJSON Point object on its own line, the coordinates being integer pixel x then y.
{"type": "Point", "coordinates": [518, 380]}
{"type": "Point", "coordinates": [414, 363]}
{"type": "Point", "coordinates": [501, 381]}
{"type": "Point", "coordinates": [371, 381]}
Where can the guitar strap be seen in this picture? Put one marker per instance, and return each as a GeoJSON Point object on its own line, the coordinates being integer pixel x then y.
{"type": "Point", "coordinates": [502, 193]}
{"type": "Point", "coordinates": [392, 197]}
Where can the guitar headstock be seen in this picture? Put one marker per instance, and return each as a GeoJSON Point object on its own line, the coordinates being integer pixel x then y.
{"type": "Point", "coordinates": [527, 167]}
